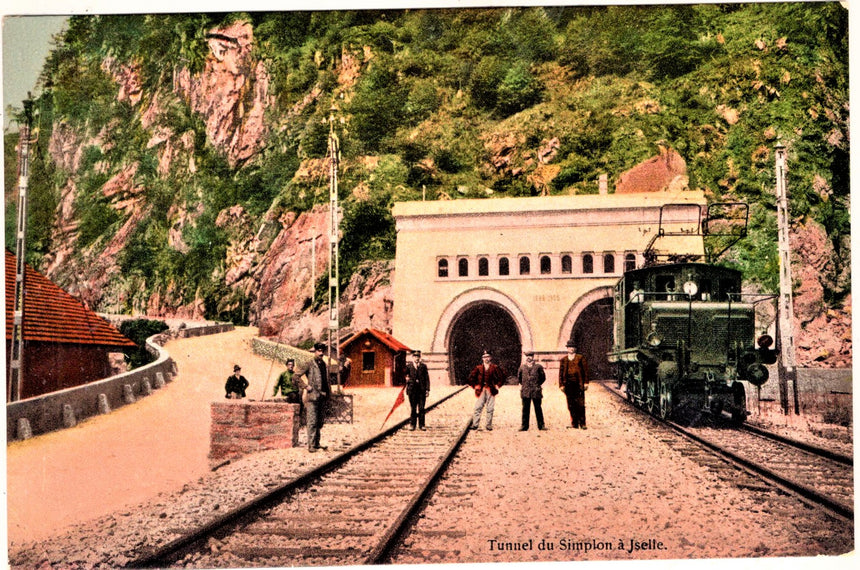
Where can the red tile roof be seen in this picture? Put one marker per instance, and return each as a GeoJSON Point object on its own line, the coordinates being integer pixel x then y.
{"type": "Point", "coordinates": [382, 337]}
{"type": "Point", "coordinates": [52, 315]}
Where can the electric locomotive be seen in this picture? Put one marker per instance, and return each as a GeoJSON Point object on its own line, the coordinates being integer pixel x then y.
{"type": "Point", "coordinates": [684, 337]}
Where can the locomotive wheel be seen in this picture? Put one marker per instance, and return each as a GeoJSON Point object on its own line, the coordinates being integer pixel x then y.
{"type": "Point", "coordinates": [664, 408]}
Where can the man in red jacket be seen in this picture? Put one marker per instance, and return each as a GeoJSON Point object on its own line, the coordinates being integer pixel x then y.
{"type": "Point", "coordinates": [485, 378]}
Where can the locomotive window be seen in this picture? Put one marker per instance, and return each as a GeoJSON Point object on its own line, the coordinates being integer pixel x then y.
{"type": "Point", "coordinates": [705, 289]}
{"type": "Point", "coordinates": [483, 266]}
{"type": "Point", "coordinates": [545, 265]}
{"type": "Point", "coordinates": [608, 263]}
{"type": "Point", "coordinates": [587, 263]}
{"type": "Point", "coordinates": [463, 268]}
{"type": "Point", "coordinates": [525, 265]}
{"type": "Point", "coordinates": [727, 287]}
{"type": "Point", "coordinates": [504, 266]}
{"type": "Point", "coordinates": [443, 268]}
{"type": "Point", "coordinates": [665, 284]}
{"type": "Point", "coordinates": [629, 262]}
{"type": "Point", "coordinates": [566, 264]}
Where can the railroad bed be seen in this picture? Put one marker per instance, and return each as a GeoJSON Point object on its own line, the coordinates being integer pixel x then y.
{"type": "Point", "coordinates": [614, 492]}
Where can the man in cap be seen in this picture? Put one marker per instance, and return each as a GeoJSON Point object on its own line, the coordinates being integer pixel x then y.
{"type": "Point", "coordinates": [285, 384]}
{"type": "Point", "coordinates": [531, 376]}
{"type": "Point", "coordinates": [316, 391]}
{"type": "Point", "coordinates": [485, 378]}
{"type": "Point", "coordinates": [236, 384]}
{"type": "Point", "coordinates": [573, 381]}
{"type": "Point", "coordinates": [417, 389]}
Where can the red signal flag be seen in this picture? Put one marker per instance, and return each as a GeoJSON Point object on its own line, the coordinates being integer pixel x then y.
{"type": "Point", "coordinates": [397, 402]}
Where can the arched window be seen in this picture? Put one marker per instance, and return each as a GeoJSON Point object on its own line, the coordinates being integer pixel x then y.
{"type": "Point", "coordinates": [629, 262]}
{"type": "Point", "coordinates": [483, 266]}
{"type": "Point", "coordinates": [545, 265]}
{"type": "Point", "coordinates": [504, 266]}
{"type": "Point", "coordinates": [443, 268]}
{"type": "Point", "coordinates": [587, 263]}
{"type": "Point", "coordinates": [608, 263]}
{"type": "Point", "coordinates": [463, 267]}
{"type": "Point", "coordinates": [566, 264]}
{"type": "Point", "coordinates": [525, 265]}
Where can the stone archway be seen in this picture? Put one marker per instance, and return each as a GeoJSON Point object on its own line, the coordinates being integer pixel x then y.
{"type": "Point", "coordinates": [480, 319]}
{"type": "Point", "coordinates": [589, 324]}
{"type": "Point", "coordinates": [483, 326]}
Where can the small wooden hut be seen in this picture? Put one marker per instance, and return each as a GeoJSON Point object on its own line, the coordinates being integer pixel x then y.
{"type": "Point", "coordinates": [376, 359]}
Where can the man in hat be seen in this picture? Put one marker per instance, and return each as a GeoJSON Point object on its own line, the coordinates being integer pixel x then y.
{"type": "Point", "coordinates": [236, 384]}
{"type": "Point", "coordinates": [285, 384]}
{"type": "Point", "coordinates": [417, 389]}
{"type": "Point", "coordinates": [573, 381]}
{"type": "Point", "coordinates": [316, 391]}
{"type": "Point", "coordinates": [485, 378]}
{"type": "Point", "coordinates": [531, 376]}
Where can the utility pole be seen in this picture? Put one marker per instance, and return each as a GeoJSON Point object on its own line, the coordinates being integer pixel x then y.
{"type": "Point", "coordinates": [16, 357]}
{"type": "Point", "coordinates": [334, 238]}
{"type": "Point", "coordinates": [787, 368]}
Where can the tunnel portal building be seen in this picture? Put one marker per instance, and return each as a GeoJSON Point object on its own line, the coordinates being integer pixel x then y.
{"type": "Point", "coordinates": [509, 275]}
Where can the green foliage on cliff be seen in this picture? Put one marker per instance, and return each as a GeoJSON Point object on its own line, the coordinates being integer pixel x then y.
{"type": "Point", "coordinates": [425, 92]}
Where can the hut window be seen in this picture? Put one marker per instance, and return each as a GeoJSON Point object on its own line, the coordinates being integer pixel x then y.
{"type": "Point", "coordinates": [483, 266]}
{"type": "Point", "coordinates": [504, 266]}
{"type": "Point", "coordinates": [443, 268]}
{"type": "Point", "coordinates": [608, 263]}
{"type": "Point", "coordinates": [525, 265]}
{"type": "Point", "coordinates": [463, 267]}
{"type": "Point", "coordinates": [545, 265]}
{"type": "Point", "coordinates": [368, 361]}
{"type": "Point", "coordinates": [587, 263]}
{"type": "Point", "coordinates": [629, 262]}
{"type": "Point", "coordinates": [566, 264]}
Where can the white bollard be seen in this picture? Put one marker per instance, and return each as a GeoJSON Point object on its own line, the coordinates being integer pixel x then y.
{"type": "Point", "coordinates": [69, 416]}
{"type": "Point", "coordinates": [127, 394]}
{"type": "Point", "coordinates": [159, 381]}
{"type": "Point", "coordinates": [145, 388]}
{"type": "Point", "coordinates": [24, 429]}
{"type": "Point", "coordinates": [104, 407]}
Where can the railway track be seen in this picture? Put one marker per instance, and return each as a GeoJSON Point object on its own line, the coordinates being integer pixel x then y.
{"type": "Point", "coordinates": [819, 477]}
{"type": "Point", "coordinates": [350, 510]}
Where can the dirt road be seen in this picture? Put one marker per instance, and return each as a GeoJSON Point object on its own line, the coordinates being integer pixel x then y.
{"type": "Point", "coordinates": [136, 452]}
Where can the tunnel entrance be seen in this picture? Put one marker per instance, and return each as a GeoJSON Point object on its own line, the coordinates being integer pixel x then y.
{"type": "Point", "coordinates": [592, 333]}
{"type": "Point", "coordinates": [483, 326]}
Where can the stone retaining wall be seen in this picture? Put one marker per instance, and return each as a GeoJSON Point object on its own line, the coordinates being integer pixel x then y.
{"type": "Point", "coordinates": [240, 427]}
{"type": "Point", "coordinates": [65, 408]}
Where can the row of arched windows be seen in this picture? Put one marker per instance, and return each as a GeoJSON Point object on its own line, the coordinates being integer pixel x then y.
{"type": "Point", "coordinates": [544, 268]}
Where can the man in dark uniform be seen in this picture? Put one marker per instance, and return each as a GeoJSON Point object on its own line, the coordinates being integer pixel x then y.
{"type": "Point", "coordinates": [316, 389]}
{"type": "Point", "coordinates": [417, 388]}
{"type": "Point", "coordinates": [236, 384]}
{"type": "Point", "coordinates": [531, 376]}
{"type": "Point", "coordinates": [485, 378]}
{"type": "Point", "coordinates": [573, 380]}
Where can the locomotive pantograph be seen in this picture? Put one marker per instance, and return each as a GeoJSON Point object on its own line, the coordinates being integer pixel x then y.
{"type": "Point", "coordinates": [684, 337]}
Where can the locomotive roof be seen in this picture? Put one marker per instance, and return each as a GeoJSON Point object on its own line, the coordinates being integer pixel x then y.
{"type": "Point", "coordinates": [677, 267]}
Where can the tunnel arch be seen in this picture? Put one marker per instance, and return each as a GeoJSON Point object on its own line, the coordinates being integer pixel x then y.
{"type": "Point", "coordinates": [589, 324]}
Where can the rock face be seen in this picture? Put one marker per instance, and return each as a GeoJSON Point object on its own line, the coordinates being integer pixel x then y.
{"type": "Point", "coordinates": [667, 171]}
{"type": "Point", "coordinates": [822, 332]}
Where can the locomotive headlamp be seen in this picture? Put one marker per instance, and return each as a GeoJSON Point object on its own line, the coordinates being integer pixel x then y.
{"type": "Point", "coordinates": [654, 340]}
{"type": "Point", "coordinates": [764, 341]}
{"type": "Point", "coordinates": [690, 288]}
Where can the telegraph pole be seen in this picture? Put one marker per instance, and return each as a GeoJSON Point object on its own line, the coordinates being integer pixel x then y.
{"type": "Point", "coordinates": [334, 238]}
{"type": "Point", "coordinates": [787, 367]}
{"type": "Point", "coordinates": [16, 357]}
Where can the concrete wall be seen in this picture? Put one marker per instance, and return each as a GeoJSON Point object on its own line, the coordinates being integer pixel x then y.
{"type": "Point", "coordinates": [65, 408]}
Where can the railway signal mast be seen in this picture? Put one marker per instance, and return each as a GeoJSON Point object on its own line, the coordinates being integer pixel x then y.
{"type": "Point", "coordinates": [16, 356]}
{"type": "Point", "coordinates": [334, 238]}
{"type": "Point", "coordinates": [787, 366]}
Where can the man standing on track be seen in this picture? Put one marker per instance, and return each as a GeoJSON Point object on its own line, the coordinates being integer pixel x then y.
{"type": "Point", "coordinates": [485, 378]}
{"type": "Point", "coordinates": [417, 388]}
{"type": "Point", "coordinates": [316, 391]}
{"type": "Point", "coordinates": [531, 376]}
{"type": "Point", "coordinates": [573, 381]}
